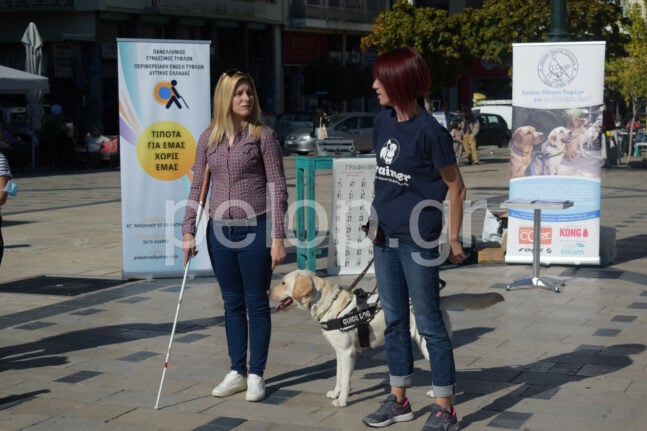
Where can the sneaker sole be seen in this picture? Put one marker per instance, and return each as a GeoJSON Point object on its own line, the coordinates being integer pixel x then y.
{"type": "Point", "coordinates": [228, 393]}
{"type": "Point", "coordinates": [254, 398]}
{"type": "Point", "coordinates": [400, 418]}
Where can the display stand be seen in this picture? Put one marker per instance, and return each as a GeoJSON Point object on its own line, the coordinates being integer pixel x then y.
{"type": "Point", "coordinates": [537, 205]}
{"type": "Point", "coordinates": [305, 167]}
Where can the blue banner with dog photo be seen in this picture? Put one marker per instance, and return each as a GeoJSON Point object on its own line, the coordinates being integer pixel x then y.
{"type": "Point", "coordinates": [555, 151]}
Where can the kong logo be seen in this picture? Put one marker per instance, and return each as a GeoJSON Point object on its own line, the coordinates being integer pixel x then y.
{"type": "Point", "coordinates": [573, 232]}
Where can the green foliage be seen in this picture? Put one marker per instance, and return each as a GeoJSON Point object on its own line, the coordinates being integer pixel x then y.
{"type": "Point", "coordinates": [449, 43]}
{"type": "Point", "coordinates": [435, 35]}
{"type": "Point", "coordinates": [628, 75]}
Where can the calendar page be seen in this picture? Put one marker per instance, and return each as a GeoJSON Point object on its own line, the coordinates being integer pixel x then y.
{"type": "Point", "coordinates": [349, 251]}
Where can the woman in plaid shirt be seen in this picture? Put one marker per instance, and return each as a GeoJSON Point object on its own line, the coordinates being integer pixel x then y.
{"type": "Point", "coordinates": [245, 232]}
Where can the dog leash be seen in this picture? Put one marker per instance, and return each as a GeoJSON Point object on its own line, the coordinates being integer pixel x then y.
{"type": "Point", "coordinates": [360, 276]}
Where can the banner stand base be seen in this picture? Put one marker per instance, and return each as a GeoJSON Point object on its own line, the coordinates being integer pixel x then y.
{"type": "Point", "coordinates": [542, 282]}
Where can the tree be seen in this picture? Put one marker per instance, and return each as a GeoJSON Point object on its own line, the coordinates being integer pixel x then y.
{"type": "Point", "coordinates": [628, 75]}
{"type": "Point", "coordinates": [434, 34]}
{"type": "Point", "coordinates": [491, 31]}
{"type": "Point", "coordinates": [449, 43]}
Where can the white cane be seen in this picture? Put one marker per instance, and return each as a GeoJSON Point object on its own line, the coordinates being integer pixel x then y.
{"type": "Point", "coordinates": [203, 197]}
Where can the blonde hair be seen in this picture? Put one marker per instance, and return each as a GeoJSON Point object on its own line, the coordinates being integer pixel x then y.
{"type": "Point", "coordinates": [222, 124]}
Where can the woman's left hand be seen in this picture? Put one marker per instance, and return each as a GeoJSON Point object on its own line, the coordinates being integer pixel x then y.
{"type": "Point", "coordinates": [277, 252]}
{"type": "Point", "coordinates": [456, 252]}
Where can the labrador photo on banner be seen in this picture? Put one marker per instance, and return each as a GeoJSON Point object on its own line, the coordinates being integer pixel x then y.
{"type": "Point", "coordinates": [164, 105]}
{"type": "Point", "coordinates": [555, 150]}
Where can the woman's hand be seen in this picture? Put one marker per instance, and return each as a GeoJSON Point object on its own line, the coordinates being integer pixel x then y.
{"type": "Point", "coordinates": [188, 245]}
{"type": "Point", "coordinates": [456, 252]}
{"type": "Point", "coordinates": [277, 252]}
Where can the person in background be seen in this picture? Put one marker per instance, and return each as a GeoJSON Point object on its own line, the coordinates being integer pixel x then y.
{"type": "Point", "coordinates": [5, 176]}
{"type": "Point", "coordinates": [246, 170]}
{"type": "Point", "coordinates": [416, 172]}
{"type": "Point", "coordinates": [94, 140]}
{"type": "Point", "coordinates": [470, 130]}
{"type": "Point", "coordinates": [457, 137]}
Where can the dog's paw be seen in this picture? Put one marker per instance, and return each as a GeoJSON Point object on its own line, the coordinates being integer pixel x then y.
{"type": "Point", "coordinates": [430, 393]}
{"type": "Point", "coordinates": [332, 395]}
{"type": "Point", "coordinates": [339, 403]}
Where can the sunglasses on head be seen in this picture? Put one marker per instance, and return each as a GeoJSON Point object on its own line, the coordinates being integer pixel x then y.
{"type": "Point", "coordinates": [232, 72]}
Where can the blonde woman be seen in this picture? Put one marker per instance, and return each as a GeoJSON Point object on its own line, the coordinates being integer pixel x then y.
{"type": "Point", "coordinates": [247, 182]}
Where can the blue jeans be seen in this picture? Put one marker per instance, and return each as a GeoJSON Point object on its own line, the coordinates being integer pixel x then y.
{"type": "Point", "coordinates": [240, 258]}
{"type": "Point", "coordinates": [399, 276]}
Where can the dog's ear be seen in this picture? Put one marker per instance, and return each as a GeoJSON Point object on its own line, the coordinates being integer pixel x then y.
{"type": "Point", "coordinates": [302, 288]}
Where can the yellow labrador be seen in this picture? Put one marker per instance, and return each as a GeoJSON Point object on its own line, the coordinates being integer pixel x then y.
{"type": "Point", "coordinates": [553, 151]}
{"type": "Point", "coordinates": [326, 301]}
{"type": "Point", "coordinates": [524, 140]}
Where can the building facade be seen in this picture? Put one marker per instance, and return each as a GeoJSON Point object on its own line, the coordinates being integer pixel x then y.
{"type": "Point", "coordinates": [274, 40]}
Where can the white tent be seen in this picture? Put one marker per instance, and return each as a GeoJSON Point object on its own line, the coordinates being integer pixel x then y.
{"type": "Point", "coordinates": [18, 81]}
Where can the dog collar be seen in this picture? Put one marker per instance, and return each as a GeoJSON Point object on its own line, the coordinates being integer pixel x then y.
{"type": "Point", "coordinates": [517, 150]}
{"type": "Point", "coordinates": [320, 315]}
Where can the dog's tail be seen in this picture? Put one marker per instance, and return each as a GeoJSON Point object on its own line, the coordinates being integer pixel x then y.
{"type": "Point", "coordinates": [471, 301]}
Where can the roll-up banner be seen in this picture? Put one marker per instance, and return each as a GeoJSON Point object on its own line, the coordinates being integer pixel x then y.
{"type": "Point", "coordinates": [555, 151]}
{"type": "Point", "coordinates": [164, 105]}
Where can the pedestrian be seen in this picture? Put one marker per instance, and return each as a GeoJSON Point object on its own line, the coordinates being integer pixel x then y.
{"type": "Point", "coordinates": [416, 171]}
{"type": "Point", "coordinates": [245, 244]}
{"type": "Point", "coordinates": [457, 137]}
{"type": "Point", "coordinates": [470, 130]}
{"type": "Point", "coordinates": [5, 177]}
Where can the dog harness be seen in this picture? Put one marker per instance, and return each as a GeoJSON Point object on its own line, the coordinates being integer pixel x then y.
{"type": "Point", "coordinates": [543, 157]}
{"type": "Point", "coordinates": [357, 314]}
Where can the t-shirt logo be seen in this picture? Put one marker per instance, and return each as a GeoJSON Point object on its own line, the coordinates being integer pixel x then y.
{"type": "Point", "coordinates": [390, 151]}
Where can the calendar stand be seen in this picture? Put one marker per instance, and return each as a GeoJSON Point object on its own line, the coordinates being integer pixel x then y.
{"type": "Point", "coordinates": [537, 205]}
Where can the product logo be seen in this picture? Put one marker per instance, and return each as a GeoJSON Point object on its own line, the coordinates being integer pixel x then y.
{"type": "Point", "coordinates": [390, 151]}
{"type": "Point", "coordinates": [526, 235]}
{"type": "Point", "coordinates": [167, 94]}
{"type": "Point", "coordinates": [573, 232]}
{"type": "Point", "coordinates": [557, 68]}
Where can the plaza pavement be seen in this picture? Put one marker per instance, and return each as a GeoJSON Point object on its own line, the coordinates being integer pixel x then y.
{"type": "Point", "coordinates": [83, 349]}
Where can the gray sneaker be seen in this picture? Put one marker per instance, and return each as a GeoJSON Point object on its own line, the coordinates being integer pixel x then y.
{"type": "Point", "coordinates": [389, 412]}
{"type": "Point", "coordinates": [441, 420]}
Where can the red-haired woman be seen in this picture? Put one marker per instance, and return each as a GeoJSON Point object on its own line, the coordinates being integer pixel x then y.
{"type": "Point", "coordinates": [416, 172]}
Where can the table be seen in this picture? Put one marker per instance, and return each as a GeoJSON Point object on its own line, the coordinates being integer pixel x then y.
{"type": "Point", "coordinates": [537, 205]}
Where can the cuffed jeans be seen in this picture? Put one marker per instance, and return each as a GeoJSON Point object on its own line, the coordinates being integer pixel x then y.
{"type": "Point", "coordinates": [400, 275]}
{"type": "Point", "coordinates": [241, 261]}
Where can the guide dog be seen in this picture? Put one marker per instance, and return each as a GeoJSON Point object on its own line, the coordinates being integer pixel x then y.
{"type": "Point", "coordinates": [553, 151]}
{"type": "Point", "coordinates": [325, 301]}
{"type": "Point", "coordinates": [524, 140]}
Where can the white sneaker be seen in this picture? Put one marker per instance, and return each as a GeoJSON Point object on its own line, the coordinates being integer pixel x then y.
{"type": "Point", "coordinates": [255, 388]}
{"type": "Point", "coordinates": [231, 384]}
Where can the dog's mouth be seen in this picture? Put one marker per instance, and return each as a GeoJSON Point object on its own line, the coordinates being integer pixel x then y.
{"type": "Point", "coordinates": [284, 304]}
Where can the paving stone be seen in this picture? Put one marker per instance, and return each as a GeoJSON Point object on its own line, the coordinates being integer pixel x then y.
{"type": "Point", "coordinates": [537, 361]}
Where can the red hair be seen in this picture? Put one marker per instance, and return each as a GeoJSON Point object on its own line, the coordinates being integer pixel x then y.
{"type": "Point", "coordinates": [404, 74]}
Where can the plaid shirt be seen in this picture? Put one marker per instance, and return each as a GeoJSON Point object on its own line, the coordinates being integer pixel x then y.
{"type": "Point", "coordinates": [242, 177]}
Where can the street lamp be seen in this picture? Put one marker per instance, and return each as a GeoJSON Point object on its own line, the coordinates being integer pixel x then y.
{"type": "Point", "coordinates": [558, 31]}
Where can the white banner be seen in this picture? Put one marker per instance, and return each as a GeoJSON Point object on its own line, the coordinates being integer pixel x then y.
{"type": "Point", "coordinates": [557, 98]}
{"type": "Point", "coordinates": [349, 251]}
{"type": "Point", "coordinates": [164, 105]}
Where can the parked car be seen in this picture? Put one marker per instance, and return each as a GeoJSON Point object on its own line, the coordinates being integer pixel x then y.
{"type": "Point", "coordinates": [286, 122]}
{"type": "Point", "coordinates": [493, 129]}
{"type": "Point", "coordinates": [357, 126]}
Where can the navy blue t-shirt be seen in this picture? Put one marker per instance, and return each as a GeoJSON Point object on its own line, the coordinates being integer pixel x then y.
{"type": "Point", "coordinates": [407, 178]}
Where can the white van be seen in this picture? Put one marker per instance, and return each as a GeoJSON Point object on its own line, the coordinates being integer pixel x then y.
{"type": "Point", "coordinates": [501, 107]}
